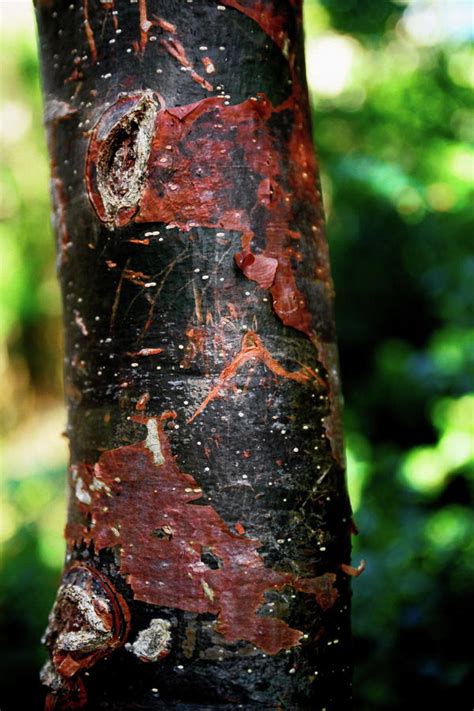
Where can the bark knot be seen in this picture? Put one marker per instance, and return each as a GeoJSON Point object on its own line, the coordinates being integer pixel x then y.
{"type": "Point", "coordinates": [88, 620]}
{"type": "Point", "coordinates": [118, 157]}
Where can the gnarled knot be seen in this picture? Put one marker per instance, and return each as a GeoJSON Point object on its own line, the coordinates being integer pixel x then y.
{"type": "Point", "coordinates": [118, 157]}
{"type": "Point", "coordinates": [89, 619]}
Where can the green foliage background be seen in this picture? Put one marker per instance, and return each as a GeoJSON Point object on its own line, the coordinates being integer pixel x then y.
{"type": "Point", "coordinates": [393, 125]}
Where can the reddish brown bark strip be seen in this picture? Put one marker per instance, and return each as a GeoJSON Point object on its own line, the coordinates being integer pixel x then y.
{"type": "Point", "coordinates": [163, 536]}
{"type": "Point", "coordinates": [253, 349]}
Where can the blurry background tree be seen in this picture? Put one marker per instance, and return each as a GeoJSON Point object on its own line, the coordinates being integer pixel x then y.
{"type": "Point", "coordinates": [391, 84]}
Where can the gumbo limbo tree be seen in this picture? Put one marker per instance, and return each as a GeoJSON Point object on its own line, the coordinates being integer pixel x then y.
{"type": "Point", "coordinates": [208, 533]}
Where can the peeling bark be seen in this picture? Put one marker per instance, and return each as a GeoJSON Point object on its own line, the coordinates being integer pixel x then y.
{"type": "Point", "coordinates": [208, 534]}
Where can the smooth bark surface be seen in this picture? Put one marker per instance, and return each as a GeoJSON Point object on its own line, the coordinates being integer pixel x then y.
{"type": "Point", "coordinates": [209, 527]}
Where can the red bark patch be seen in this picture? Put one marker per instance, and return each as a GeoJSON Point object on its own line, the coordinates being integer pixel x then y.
{"type": "Point", "coordinates": [137, 498]}
{"type": "Point", "coordinates": [190, 182]}
{"type": "Point", "coordinates": [322, 588]}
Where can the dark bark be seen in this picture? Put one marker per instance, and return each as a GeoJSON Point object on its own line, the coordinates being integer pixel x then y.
{"type": "Point", "coordinates": [209, 527]}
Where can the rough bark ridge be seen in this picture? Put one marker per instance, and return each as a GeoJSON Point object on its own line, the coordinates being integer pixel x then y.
{"type": "Point", "coordinates": [209, 527]}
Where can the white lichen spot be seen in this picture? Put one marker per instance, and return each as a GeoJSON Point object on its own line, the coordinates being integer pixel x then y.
{"type": "Point", "coordinates": [153, 442]}
{"type": "Point", "coordinates": [152, 643]}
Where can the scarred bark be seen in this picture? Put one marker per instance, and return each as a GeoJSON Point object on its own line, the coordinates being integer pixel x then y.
{"type": "Point", "coordinates": [208, 535]}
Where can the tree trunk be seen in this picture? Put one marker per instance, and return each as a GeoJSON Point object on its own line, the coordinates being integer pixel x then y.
{"type": "Point", "coordinates": [208, 533]}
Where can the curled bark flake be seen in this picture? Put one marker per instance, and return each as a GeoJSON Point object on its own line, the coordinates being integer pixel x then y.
{"type": "Point", "coordinates": [56, 112]}
{"type": "Point", "coordinates": [258, 268]}
{"type": "Point", "coordinates": [64, 693]}
{"type": "Point", "coordinates": [145, 352]}
{"type": "Point", "coordinates": [79, 321]}
{"type": "Point", "coordinates": [164, 24]}
{"type": "Point", "coordinates": [177, 51]}
{"type": "Point", "coordinates": [352, 571]}
{"type": "Point", "coordinates": [208, 65]}
{"type": "Point", "coordinates": [144, 23]}
{"type": "Point", "coordinates": [196, 342]}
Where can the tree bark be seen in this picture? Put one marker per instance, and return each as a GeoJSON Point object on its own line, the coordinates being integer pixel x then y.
{"type": "Point", "coordinates": [208, 534]}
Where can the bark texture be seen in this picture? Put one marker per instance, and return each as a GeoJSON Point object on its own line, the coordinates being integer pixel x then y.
{"type": "Point", "coordinates": [208, 536]}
